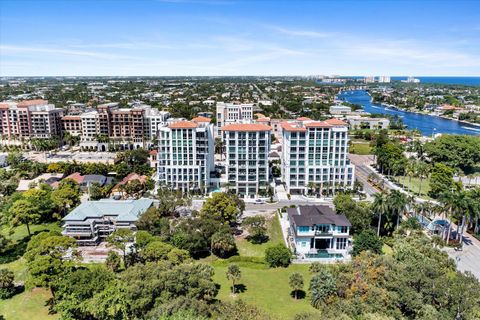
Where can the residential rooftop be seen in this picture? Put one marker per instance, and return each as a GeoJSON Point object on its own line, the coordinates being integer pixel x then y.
{"type": "Point", "coordinates": [313, 215]}
{"type": "Point", "coordinates": [119, 210]}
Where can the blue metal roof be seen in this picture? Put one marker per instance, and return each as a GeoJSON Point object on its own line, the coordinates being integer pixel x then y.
{"type": "Point", "coordinates": [124, 210]}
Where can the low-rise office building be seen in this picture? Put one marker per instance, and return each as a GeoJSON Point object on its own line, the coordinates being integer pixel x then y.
{"type": "Point", "coordinates": [340, 110]}
{"type": "Point", "coordinates": [93, 221]}
{"type": "Point", "coordinates": [318, 233]}
{"type": "Point", "coordinates": [247, 147]}
{"type": "Point", "coordinates": [368, 123]}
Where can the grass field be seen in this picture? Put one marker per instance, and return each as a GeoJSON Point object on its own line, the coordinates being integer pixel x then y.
{"type": "Point", "coordinates": [259, 285]}
{"type": "Point", "coordinates": [30, 304]}
{"type": "Point", "coordinates": [248, 249]}
{"type": "Point", "coordinates": [266, 288]}
{"type": "Point", "coordinates": [414, 185]}
{"type": "Point", "coordinates": [361, 147]}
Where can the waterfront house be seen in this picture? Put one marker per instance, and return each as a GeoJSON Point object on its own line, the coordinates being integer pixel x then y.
{"type": "Point", "coordinates": [316, 232]}
{"type": "Point", "coordinates": [92, 221]}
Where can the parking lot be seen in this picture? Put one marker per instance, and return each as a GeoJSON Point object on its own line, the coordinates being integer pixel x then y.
{"type": "Point", "coordinates": [80, 157]}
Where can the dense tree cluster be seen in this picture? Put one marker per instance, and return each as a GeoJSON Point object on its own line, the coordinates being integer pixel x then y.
{"type": "Point", "coordinates": [455, 151]}
{"type": "Point", "coordinates": [416, 282]}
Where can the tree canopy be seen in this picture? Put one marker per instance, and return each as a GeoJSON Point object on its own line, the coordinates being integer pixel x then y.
{"type": "Point", "coordinates": [456, 151]}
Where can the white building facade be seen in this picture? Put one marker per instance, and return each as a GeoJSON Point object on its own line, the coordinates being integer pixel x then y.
{"type": "Point", "coordinates": [247, 147]}
{"type": "Point", "coordinates": [318, 233]}
{"type": "Point", "coordinates": [314, 153]}
{"type": "Point", "coordinates": [228, 113]}
{"type": "Point", "coordinates": [186, 155]}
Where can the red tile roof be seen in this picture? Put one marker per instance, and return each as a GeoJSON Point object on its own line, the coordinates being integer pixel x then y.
{"type": "Point", "coordinates": [264, 119]}
{"type": "Point", "coordinates": [335, 122]}
{"type": "Point", "coordinates": [246, 127]}
{"type": "Point", "coordinates": [153, 152]}
{"type": "Point", "coordinates": [317, 124]}
{"type": "Point", "coordinates": [183, 125]}
{"type": "Point", "coordinates": [76, 176]}
{"type": "Point", "coordinates": [201, 119]}
{"type": "Point", "coordinates": [292, 127]}
{"type": "Point", "coordinates": [35, 102]}
{"type": "Point", "coordinates": [303, 119]}
{"type": "Point", "coordinates": [130, 177]}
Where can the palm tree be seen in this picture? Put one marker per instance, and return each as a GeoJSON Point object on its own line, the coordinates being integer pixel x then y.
{"type": "Point", "coordinates": [456, 202]}
{"type": "Point", "coordinates": [397, 202]}
{"type": "Point", "coordinates": [311, 186]}
{"type": "Point", "coordinates": [234, 274]}
{"type": "Point", "coordinates": [380, 207]}
{"type": "Point", "coordinates": [410, 170]}
{"type": "Point", "coordinates": [422, 172]}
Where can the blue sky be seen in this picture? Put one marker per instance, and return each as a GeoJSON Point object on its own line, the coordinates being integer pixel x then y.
{"type": "Point", "coordinates": [216, 37]}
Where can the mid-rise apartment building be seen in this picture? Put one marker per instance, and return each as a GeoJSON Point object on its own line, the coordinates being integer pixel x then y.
{"type": "Point", "coordinates": [30, 119]}
{"type": "Point", "coordinates": [228, 113]}
{"type": "Point", "coordinates": [72, 125]}
{"type": "Point", "coordinates": [125, 127]}
{"type": "Point", "coordinates": [247, 147]}
{"type": "Point", "coordinates": [186, 155]}
{"type": "Point", "coordinates": [315, 153]}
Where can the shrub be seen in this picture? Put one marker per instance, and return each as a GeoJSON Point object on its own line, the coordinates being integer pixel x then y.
{"type": "Point", "coordinates": [223, 244]}
{"type": "Point", "coordinates": [278, 256]}
{"type": "Point", "coordinates": [113, 261]}
{"type": "Point", "coordinates": [7, 287]}
{"type": "Point", "coordinates": [322, 286]}
{"type": "Point", "coordinates": [367, 241]}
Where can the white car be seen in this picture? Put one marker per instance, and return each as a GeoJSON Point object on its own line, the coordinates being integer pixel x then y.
{"type": "Point", "coordinates": [259, 201]}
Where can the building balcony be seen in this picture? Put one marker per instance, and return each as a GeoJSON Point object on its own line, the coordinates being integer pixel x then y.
{"type": "Point", "coordinates": [319, 233]}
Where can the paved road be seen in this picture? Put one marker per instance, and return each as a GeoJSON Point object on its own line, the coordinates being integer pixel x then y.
{"type": "Point", "coordinates": [362, 171]}
{"type": "Point", "coordinates": [469, 258]}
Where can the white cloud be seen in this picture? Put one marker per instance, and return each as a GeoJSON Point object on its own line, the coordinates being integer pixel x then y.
{"type": "Point", "coordinates": [6, 49]}
{"type": "Point", "coordinates": [303, 33]}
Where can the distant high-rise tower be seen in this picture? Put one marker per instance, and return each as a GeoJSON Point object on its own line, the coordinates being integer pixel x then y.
{"type": "Point", "coordinates": [384, 79]}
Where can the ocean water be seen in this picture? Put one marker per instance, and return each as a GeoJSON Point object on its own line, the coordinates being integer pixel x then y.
{"type": "Point", "coordinates": [467, 81]}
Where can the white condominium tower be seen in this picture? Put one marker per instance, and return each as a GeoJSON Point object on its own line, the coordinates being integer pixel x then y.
{"type": "Point", "coordinates": [247, 147]}
{"type": "Point", "coordinates": [186, 154]}
{"type": "Point", "coordinates": [228, 113]}
{"type": "Point", "coordinates": [315, 153]}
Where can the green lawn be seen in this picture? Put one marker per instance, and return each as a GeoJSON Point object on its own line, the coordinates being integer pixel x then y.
{"type": "Point", "coordinates": [361, 147]}
{"type": "Point", "coordinates": [414, 185]}
{"type": "Point", "coordinates": [20, 232]}
{"type": "Point", "coordinates": [266, 288]}
{"type": "Point", "coordinates": [29, 305]}
{"type": "Point", "coordinates": [247, 249]}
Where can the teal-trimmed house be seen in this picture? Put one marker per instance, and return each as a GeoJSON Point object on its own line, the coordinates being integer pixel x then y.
{"type": "Point", "coordinates": [318, 233]}
{"type": "Point", "coordinates": [92, 221]}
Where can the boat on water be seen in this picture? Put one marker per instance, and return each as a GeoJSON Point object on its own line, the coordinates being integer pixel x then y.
{"type": "Point", "coordinates": [469, 128]}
